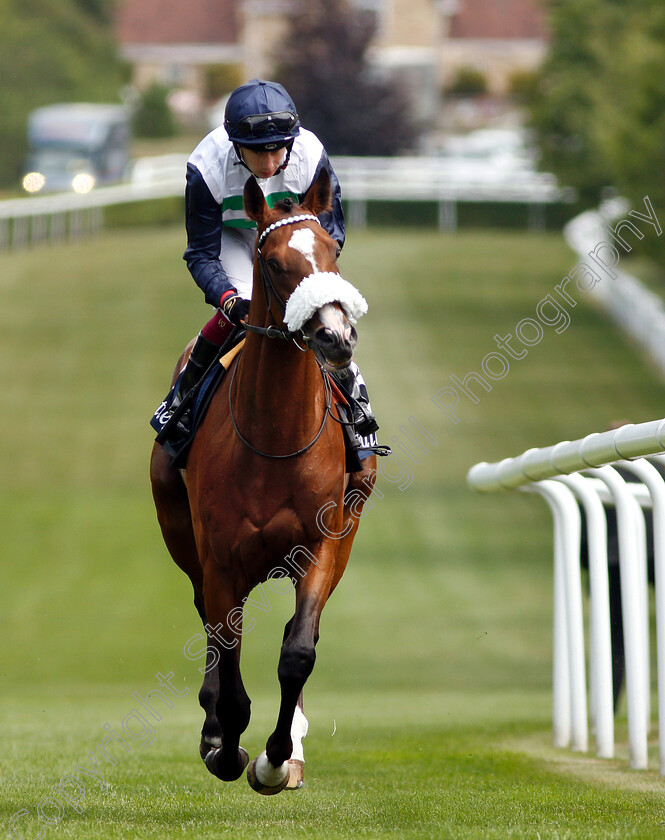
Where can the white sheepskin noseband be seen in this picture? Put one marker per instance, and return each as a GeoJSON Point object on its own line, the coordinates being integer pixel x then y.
{"type": "Point", "coordinates": [315, 291]}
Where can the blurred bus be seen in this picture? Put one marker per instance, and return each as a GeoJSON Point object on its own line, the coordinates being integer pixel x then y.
{"type": "Point", "coordinates": [76, 146]}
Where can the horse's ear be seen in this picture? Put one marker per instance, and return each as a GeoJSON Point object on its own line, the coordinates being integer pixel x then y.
{"type": "Point", "coordinates": [255, 203]}
{"type": "Point", "coordinates": [318, 198]}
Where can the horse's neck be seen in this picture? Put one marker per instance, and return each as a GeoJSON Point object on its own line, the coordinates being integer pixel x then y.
{"type": "Point", "coordinates": [279, 396]}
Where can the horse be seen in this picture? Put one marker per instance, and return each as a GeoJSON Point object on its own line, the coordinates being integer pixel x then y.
{"type": "Point", "coordinates": [265, 493]}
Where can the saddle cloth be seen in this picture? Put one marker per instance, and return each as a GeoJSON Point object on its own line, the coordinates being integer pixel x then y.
{"type": "Point", "coordinates": [178, 443]}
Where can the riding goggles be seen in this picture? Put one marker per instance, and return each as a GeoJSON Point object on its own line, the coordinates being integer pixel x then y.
{"type": "Point", "coordinates": [260, 125]}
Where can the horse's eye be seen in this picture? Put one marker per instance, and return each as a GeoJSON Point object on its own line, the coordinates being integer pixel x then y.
{"type": "Point", "coordinates": [274, 266]}
{"type": "Point", "coordinates": [338, 252]}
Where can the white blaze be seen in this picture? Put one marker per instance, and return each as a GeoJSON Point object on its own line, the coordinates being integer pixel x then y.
{"type": "Point", "coordinates": [302, 240]}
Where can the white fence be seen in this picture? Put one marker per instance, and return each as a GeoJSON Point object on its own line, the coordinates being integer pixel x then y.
{"type": "Point", "coordinates": [37, 219]}
{"type": "Point", "coordinates": [49, 218]}
{"type": "Point", "coordinates": [638, 311]}
{"type": "Point", "coordinates": [446, 181]}
{"type": "Point", "coordinates": [582, 473]}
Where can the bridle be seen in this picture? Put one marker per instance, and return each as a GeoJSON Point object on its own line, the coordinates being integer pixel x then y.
{"type": "Point", "coordinates": [276, 332]}
{"type": "Point", "coordinates": [269, 289]}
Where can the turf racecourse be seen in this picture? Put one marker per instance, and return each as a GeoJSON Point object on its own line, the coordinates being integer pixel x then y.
{"type": "Point", "coordinates": [429, 706]}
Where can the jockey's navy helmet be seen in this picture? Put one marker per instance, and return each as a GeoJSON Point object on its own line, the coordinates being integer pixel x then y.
{"type": "Point", "coordinates": [261, 115]}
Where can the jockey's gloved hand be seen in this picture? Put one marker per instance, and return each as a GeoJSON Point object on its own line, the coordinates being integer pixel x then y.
{"type": "Point", "coordinates": [235, 308]}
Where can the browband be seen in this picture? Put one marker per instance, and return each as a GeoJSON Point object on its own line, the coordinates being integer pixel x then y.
{"type": "Point", "coordinates": [289, 220]}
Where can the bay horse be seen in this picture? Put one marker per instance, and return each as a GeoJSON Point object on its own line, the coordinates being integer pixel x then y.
{"type": "Point", "coordinates": [265, 492]}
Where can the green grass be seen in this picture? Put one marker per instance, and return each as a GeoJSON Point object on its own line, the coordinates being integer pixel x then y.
{"type": "Point", "coordinates": [430, 702]}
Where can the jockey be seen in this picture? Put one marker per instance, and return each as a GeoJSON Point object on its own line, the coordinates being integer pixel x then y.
{"type": "Point", "coordinates": [261, 136]}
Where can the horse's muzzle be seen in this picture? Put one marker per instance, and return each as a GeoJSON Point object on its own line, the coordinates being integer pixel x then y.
{"type": "Point", "coordinates": [334, 336]}
{"type": "Point", "coordinates": [337, 350]}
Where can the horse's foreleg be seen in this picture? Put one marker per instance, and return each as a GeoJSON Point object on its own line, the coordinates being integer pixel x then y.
{"type": "Point", "coordinates": [211, 733]}
{"type": "Point", "coordinates": [224, 610]}
{"type": "Point", "coordinates": [269, 773]}
{"type": "Point", "coordinates": [298, 732]}
{"type": "Point", "coordinates": [232, 711]}
{"type": "Point", "coordinates": [358, 490]}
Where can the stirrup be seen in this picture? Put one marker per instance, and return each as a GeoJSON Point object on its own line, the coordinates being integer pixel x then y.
{"type": "Point", "coordinates": [380, 449]}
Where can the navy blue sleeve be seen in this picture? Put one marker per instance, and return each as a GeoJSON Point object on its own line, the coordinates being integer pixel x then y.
{"type": "Point", "coordinates": [203, 219]}
{"type": "Point", "coordinates": [332, 221]}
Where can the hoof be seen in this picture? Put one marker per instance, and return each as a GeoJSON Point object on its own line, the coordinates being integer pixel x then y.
{"type": "Point", "coordinates": [276, 778]}
{"type": "Point", "coordinates": [296, 774]}
{"type": "Point", "coordinates": [208, 744]}
{"type": "Point", "coordinates": [213, 762]}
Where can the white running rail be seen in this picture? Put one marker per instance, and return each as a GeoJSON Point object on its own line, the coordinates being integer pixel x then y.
{"type": "Point", "coordinates": [581, 473]}
{"type": "Point", "coordinates": [45, 218]}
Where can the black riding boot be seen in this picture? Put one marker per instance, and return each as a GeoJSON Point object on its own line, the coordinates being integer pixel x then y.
{"type": "Point", "coordinates": [202, 356]}
{"type": "Point", "coordinates": [363, 419]}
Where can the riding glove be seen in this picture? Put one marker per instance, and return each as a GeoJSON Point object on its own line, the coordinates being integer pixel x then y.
{"type": "Point", "coordinates": [235, 308]}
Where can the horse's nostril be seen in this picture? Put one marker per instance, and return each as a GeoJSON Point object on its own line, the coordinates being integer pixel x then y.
{"type": "Point", "coordinates": [335, 347]}
{"type": "Point", "coordinates": [326, 337]}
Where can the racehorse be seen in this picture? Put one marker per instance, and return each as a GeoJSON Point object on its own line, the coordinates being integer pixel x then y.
{"type": "Point", "coordinates": [265, 493]}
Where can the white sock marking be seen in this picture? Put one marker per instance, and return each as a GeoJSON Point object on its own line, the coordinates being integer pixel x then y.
{"type": "Point", "coordinates": [269, 775]}
{"type": "Point", "coordinates": [298, 732]}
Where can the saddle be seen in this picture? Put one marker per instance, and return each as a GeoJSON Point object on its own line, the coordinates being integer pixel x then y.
{"type": "Point", "coordinates": [177, 438]}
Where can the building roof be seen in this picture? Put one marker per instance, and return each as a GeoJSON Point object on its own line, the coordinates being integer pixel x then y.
{"type": "Point", "coordinates": [177, 22]}
{"type": "Point", "coordinates": [501, 19]}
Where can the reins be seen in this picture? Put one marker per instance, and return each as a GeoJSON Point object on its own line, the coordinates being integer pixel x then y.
{"type": "Point", "coordinates": [328, 390]}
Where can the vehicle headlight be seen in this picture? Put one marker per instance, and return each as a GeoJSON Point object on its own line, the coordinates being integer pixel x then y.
{"type": "Point", "coordinates": [33, 182]}
{"type": "Point", "coordinates": [82, 183]}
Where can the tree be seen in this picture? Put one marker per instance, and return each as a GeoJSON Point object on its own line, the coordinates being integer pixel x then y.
{"type": "Point", "coordinates": [50, 51]}
{"type": "Point", "coordinates": [323, 64]}
{"type": "Point", "coordinates": [100, 9]}
{"type": "Point", "coordinates": [599, 106]}
{"type": "Point", "coordinates": [562, 110]}
{"type": "Point", "coordinates": [468, 81]}
{"type": "Point", "coordinates": [153, 117]}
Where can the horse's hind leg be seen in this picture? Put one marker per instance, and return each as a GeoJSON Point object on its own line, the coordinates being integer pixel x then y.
{"type": "Point", "coordinates": [358, 490]}
{"type": "Point", "coordinates": [175, 520]}
{"type": "Point", "coordinates": [297, 760]}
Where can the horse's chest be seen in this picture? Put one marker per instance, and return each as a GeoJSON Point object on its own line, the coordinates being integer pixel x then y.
{"type": "Point", "coordinates": [266, 510]}
{"type": "Point", "coordinates": [284, 516]}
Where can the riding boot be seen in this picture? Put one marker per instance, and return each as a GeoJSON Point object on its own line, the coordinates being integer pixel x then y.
{"type": "Point", "coordinates": [202, 356]}
{"type": "Point", "coordinates": [363, 419]}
